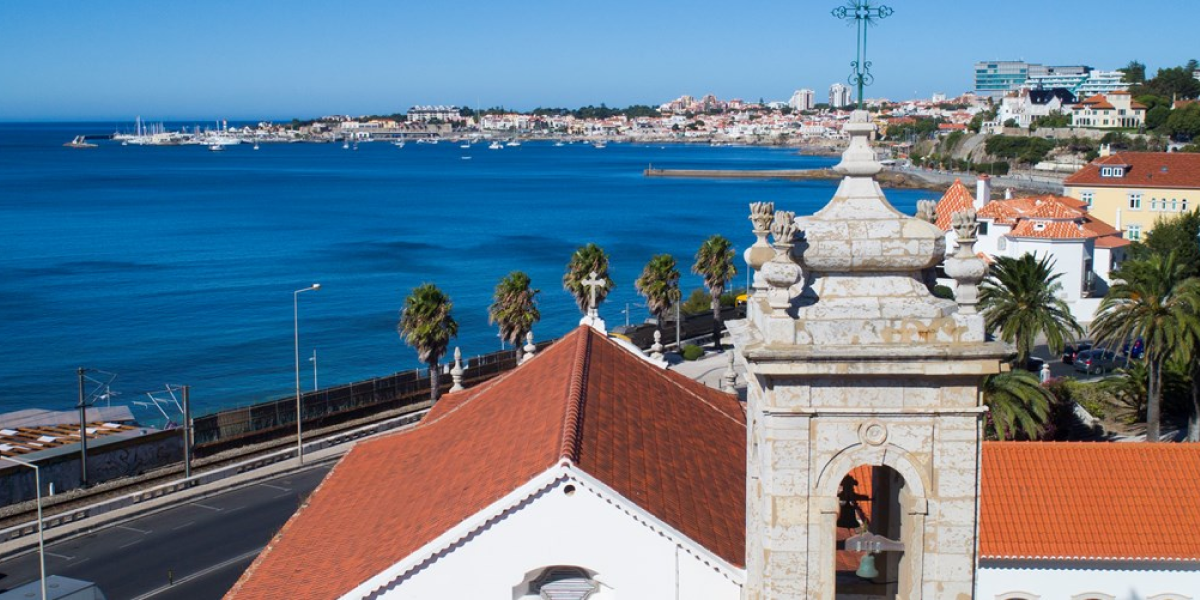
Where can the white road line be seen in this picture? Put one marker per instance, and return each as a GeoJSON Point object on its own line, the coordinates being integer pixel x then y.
{"type": "Point", "coordinates": [62, 556]}
{"type": "Point", "coordinates": [201, 573]}
{"type": "Point", "coordinates": [275, 487]}
{"type": "Point", "coordinates": [183, 525]}
{"type": "Point", "coordinates": [134, 529]}
{"type": "Point", "coordinates": [212, 508]}
{"type": "Point", "coordinates": [133, 543]}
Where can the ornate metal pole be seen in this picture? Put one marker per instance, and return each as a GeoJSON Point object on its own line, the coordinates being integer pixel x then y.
{"type": "Point", "coordinates": [863, 14]}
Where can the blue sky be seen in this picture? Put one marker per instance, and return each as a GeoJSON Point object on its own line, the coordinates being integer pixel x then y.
{"type": "Point", "coordinates": [66, 60]}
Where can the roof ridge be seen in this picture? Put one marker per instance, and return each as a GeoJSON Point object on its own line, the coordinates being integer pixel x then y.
{"type": "Point", "coordinates": [576, 394]}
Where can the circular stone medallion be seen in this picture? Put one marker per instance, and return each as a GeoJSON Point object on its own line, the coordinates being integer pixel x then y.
{"type": "Point", "coordinates": [873, 433]}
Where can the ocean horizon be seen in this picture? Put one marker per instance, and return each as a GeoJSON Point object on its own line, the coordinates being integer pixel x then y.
{"type": "Point", "coordinates": [176, 265]}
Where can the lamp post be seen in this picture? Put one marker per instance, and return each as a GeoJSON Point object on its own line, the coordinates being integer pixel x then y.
{"type": "Point", "coordinates": [313, 360]}
{"type": "Point", "coordinates": [83, 478]}
{"type": "Point", "coordinates": [37, 482]}
{"type": "Point", "coordinates": [296, 337]}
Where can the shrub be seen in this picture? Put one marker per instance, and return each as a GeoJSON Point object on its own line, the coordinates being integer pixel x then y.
{"type": "Point", "coordinates": [692, 352]}
{"type": "Point", "coordinates": [942, 291]}
{"type": "Point", "coordinates": [699, 302]}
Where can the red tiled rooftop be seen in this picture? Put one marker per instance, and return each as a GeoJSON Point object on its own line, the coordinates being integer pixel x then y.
{"type": "Point", "coordinates": [1090, 501]}
{"type": "Point", "coordinates": [1176, 170]}
{"type": "Point", "coordinates": [671, 445]}
{"type": "Point", "coordinates": [956, 198]}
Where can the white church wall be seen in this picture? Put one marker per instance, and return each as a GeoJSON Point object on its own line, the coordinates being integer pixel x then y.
{"type": "Point", "coordinates": [1121, 582]}
{"type": "Point", "coordinates": [583, 529]}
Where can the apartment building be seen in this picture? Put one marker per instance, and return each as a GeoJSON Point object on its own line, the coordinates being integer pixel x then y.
{"type": "Point", "coordinates": [1134, 190]}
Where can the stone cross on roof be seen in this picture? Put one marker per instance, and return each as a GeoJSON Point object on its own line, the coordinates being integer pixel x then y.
{"type": "Point", "coordinates": [593, 283]}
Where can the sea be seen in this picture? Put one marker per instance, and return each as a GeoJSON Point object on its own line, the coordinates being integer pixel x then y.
{"type": "Point", "coordinates": [162, 266]}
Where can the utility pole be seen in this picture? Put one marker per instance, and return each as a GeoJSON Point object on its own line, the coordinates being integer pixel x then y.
{"type": "Point", "coordinates": [187, 431]}
{"type": "Point", "coordinates": [83, 475]}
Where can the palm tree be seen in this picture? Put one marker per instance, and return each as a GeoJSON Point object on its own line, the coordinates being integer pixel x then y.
{"type": "Point", "coordinates": [426, 325]}
{"type": "Point", "coordinates": [586, 260]}
{"type": "Point", "coordinates": [714, 262]}
{"type": "Point", "coordinates": [1017, 404]}
{"type": "Point", "coordinates": [514, 308]}
{"type": "Point", "coordinates": [1020, 301]}
{"type": "Point", "coordinates": [659, 284]}
{"type": "Point", "coordinates": [1154, 300]}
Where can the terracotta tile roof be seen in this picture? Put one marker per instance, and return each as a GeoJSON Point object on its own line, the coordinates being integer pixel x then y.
{"type": "Point", "coordinates": [1112, 241]}
{"type": "Point", "coordinates": [669, 444]}
{"type": "Point", "coordinates": [1049, 208]}
{"type": "Point", "coordinates": [1176, 170]}
{"type": "Point", "coordinates": [956, 198]}
{"type": "Point", "coordinates": [1049, 217]}
{"type": "Point", "coordinates": [1051, 230]}
{"type": "Point", "coordinates": [1090, 501]}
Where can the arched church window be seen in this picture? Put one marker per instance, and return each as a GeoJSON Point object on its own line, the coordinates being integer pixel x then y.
{"type": "Point", "coordinates": [1168, 597]}
{"type": "Point", "coordinates": [1093, 596]}
{"type": "Point", "coordinates": [1018, 596]}
{"type": "Point", "coordinates": [558, 583]}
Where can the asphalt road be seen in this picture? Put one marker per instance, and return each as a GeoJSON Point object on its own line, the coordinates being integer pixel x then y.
{"type": "Point", "coordinates": [192, 551]}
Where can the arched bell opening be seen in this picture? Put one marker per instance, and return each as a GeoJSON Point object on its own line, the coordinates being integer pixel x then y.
{"type": "Point", "coordinates": [871, 562]}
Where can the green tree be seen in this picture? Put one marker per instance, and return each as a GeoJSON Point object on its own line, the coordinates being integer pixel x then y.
{"type": "Point", "coordinates": [1176, 82]}
{"type": "Point", "coordinates": [426, 325]}
{"type": "Point", "coordinates": [1184, 123]}
{"type": "Point", "coordinates": [659, 285]}
{"type": "Point", "coordinates": [1020, 301]}
{"type": "Point", "coordinates": [586, 260]}
{"type": "Point", "coordinates": [514, 308]}
{"type": "Point", "coordinates": [1154, 300]}
{"type": "Point", "coordinates": [714, 263]}
{"type": "Point", "coordinates": [1179, 234]}
{"type": "Point", "coordinates": [1135, 72]}
{"type": "Point", "coordinates": [1018, 405]}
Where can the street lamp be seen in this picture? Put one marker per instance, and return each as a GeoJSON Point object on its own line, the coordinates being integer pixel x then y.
{"type": "Point", "coordinates": [296, 337]}
{"type": "Point", "coordinates": [313, 360]}
{"type": "Point", "coordinates": [37, 482]}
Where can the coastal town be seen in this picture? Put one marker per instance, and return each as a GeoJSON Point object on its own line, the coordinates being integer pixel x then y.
{"type": "Point", "coordinates": [821, 346]}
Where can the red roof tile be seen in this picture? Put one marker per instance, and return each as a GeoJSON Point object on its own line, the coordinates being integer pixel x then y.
{"type": "Point", "coordinates": [1090, 501]}
{"type": "Point", "coordinates": [672, 446]}
{"type": "Point", "coordinates": [957, 198]}
{"type": "Point", "coordinates": [1176, 170]}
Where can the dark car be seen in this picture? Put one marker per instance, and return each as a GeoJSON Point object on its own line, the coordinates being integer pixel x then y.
{"type": "Point", "coordinates": [1135, 350]}
{"type": "Point", "coordinates": [1095, 362]}
{"type": "Point", "coordinates": [1070, 352]}
{"type": "Point", "coordinates": [1033, 364]}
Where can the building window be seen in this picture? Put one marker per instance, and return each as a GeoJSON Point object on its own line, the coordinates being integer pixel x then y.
{"type": "Point", "coordinates": [1002, 243]}
{"type": "Point", "coordinates": [983, 224]}
{"type": "Point", "coordinates": [1086, 197]}
{"type": "Point", "coordinates": [1018, 596]}
{"type": "Point", "coordinates": [1174, 205]}
{"type": "Point", "coordinates": [1183, 205]}
{"type": "Point", "coordinates": [1105, 172]}
{"type": "Point", "coordinates": [1093, 596]}
{"type": "Point", "coordinates": [1135, 201]}
{"type": "Point", "coordinates": [1169, 597]}
{"type": "Point", "coordinates": [1134, 232]}
{"type": "Point", "coordinates": [1154, 204]}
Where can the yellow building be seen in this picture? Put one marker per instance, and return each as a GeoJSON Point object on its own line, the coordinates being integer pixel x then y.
{"type": "Point", "coordinates": [1134, 190]}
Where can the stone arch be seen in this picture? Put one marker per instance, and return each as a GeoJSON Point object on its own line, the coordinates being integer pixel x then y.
{"type": "Point", "coordinates": [887, 455]}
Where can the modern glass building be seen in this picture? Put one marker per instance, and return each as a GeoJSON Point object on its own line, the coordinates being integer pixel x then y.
{"type": "Point", "coordinates": [997, 78]}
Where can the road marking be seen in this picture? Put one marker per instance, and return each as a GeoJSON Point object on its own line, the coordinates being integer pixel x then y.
{"type": "Point", "coordinates": [275, 487]}
{"type": "Point", "coordinates": [62, 556]}
{"type": "Point", "coordinates": [182, 526]}
{"type": "Point", "coordinates": [135, 529]}
{"type": "Point", "coordinates": [212, 508]}
{"type": "Point", "coordinates": [133, 543]}
{"type": "Point", "coordinates": [201, 573]}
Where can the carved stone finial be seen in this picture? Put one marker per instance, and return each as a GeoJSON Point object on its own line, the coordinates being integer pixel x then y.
{"type": "Point", "coordinates": [965, 267]}
{"type": "Point", "coordinates": [782, 272]}
{"type": "Point", "coordinates": [656, 349]}
{"type": "Point", "coordinates": [784, 229]}
{"type": "Point", "coordinates": [530, 349]}
{"type": "Point", "coordinates": [966, 226]}
{"type": "Point", "coordinates": [761, 215]}
{"type": "Point", "coordinates": [729, 378]}
{"type": "Point", "coordinates": [927, 210]}
{"type": "Point", "coordinates": [456, 374]}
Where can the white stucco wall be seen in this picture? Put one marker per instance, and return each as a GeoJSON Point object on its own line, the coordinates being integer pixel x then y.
{"type": "Point", "coordinates": [1123, 582]}
{"type": "Point", "coordinates": [630, 560]}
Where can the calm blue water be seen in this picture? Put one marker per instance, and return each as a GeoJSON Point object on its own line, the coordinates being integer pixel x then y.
{"type": "Point", "coordinates": [177, 265]}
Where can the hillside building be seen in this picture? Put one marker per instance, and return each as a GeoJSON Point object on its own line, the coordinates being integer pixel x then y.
{"type": "Point", "coordinates": [1133, 190]}
{"type": "Point", "coordinates": [1116, 110]}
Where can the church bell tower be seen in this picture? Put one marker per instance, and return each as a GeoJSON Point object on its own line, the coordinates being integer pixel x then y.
{"type": "Point", "coordinates": [854, 366]}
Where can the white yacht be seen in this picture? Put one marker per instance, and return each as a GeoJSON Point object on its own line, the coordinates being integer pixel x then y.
{"type": "Point", "coordinates": [496, 145]}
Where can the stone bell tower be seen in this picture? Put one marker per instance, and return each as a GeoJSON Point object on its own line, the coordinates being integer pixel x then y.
{"type": "Point", "coordinates": [852, 361]}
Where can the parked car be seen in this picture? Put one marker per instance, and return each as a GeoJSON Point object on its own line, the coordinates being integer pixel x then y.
{"type": "Point", "coordinates": [1070, 352]}
{"type": "Point", "coordinates": [1095, 362]}
{"type": "Point", "coordinates": [1033, 364]}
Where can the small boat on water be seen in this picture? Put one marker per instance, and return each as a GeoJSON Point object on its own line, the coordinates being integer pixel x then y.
{"type": "Point", "coordinates": [600, 145]}
{"type": "Point", "coordinates": [216, 147]}
{"type": "Point", "coordinates": [513, 143]}
{"type": "Point", "coordinates": [559, 144]}
{"type": "Point", "coordinates": [398, 143]}
{"type": "Point", "coordinates": [79, 142]}
{"type": "Point", "coordinates": [346, 145]}
{"type": "Point", "coordinates": [496, 145]}
{"type": "Point", "coordinates": [256, 145]}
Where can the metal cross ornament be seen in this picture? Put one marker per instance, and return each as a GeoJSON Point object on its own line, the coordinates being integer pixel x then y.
{"type": "Point", "coordinates": [862, 14]}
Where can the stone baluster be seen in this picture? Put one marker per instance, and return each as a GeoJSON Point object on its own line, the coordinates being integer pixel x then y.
{"type": "Point", "coordinates": [782, 272]}
{"type": "Point", "coordinates": [456, 374]}
{"type": "Point", "coordinates": [967, 269]}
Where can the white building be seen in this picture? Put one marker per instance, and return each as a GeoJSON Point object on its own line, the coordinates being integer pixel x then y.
{"type": "Point", "coordinates": [803, 100]}
{"type": "Point", "coordinates": [840, 95]}
{"type": "Point", "coordinates": [1026, 106]}
{"type": "Point", "coordinates": [424, 114]}
{"type": "Point", "coordinates": [1082, 84]}
{"type": "Point", "coordinates": [1085, 250]}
